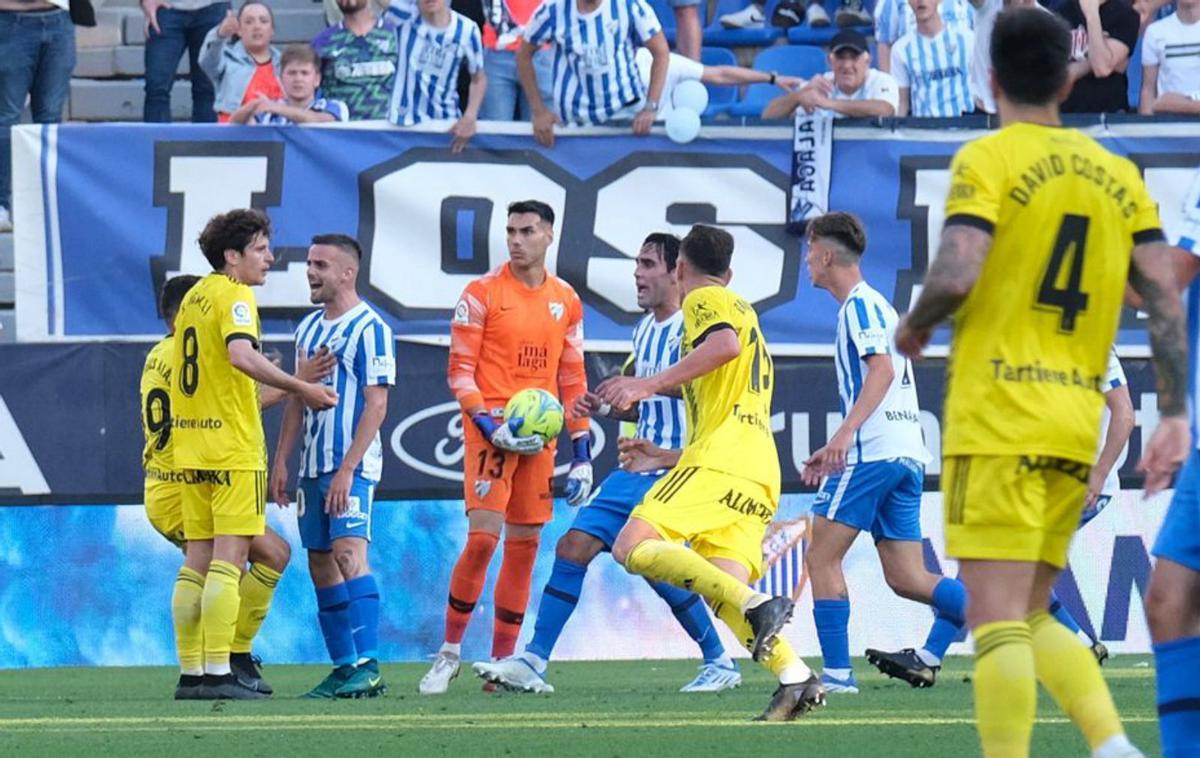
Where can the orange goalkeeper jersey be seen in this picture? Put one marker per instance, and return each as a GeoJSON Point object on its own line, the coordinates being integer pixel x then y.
{"type": "Point", "coordinates": [506, 337]}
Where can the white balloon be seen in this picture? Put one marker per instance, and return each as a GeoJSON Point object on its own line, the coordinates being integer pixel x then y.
{"type": "Point", "coordinates": [690, 94]}
{"type": "Point", "coordinates": [683, 125]}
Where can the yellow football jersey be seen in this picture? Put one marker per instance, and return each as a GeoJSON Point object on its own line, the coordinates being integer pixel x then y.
{"type": "Point", "coordinates": [217, 422]}
{"type": "Point", "coordinates": [729, 410]}
{"type": "Point", "coordinates": [156, 407]}
{"type": "Point", "coordinates": [1031, 342]}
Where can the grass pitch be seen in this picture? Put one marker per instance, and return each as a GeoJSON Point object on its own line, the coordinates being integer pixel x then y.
{"type": "Point", "coordinates": [628, 708]}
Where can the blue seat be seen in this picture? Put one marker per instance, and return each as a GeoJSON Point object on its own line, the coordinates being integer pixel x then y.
{"type": "Point", "coordinates": [718, 36]}
{"type": "Point", "coordinates": [793, 60]}
{"type": "Point", "coordinates": [720, 96]}
{"type": "Point", "coordinates": [666, 17]}
{"type": "Point", "coordinates": [806, 35]}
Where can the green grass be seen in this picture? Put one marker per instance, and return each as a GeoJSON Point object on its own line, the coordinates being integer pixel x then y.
{"type": "Point", "coordinates": [602, 709]}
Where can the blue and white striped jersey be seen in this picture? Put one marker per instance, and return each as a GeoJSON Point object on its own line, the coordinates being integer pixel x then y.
{"type": "Point", "coordinates": [867, 326]}
{"type": "Point", "coordinates": [366, 353]}
{"type": "Point", "coordinates": [428, 65]}
{"type": "Point", "coordinates": [335, 108]}
{"type": "Point", "coordinates": [1115, 378]}
{"type": "Point", "coordinates": [937, 72]}
{"type": "Point", "coordinates": [655, 349]}
{"type": "Point", "coordinates": [1187, 238]}
{"type": "Point", "coordinates": [595, 76]}
{"type": "Point", "coordinates": [895, 18]}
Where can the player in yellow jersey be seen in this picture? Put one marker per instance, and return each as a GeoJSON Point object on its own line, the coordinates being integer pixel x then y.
{"type": "Point", "coordinates": [163, 496]}
{"type": "Point", "coordinates": [1033, 263]}
{"type": "Point", "coordinates": [217, 429]}
{"type": "Point", "coordinates": [724, 490]}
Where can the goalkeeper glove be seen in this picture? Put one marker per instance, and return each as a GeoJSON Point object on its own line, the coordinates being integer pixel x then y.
{"type": "Point", "coordinates": [579, 478]}
{"type": "Point", "coordinates": [504, 436]}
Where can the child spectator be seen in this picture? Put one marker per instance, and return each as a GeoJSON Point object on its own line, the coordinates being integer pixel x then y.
{"type": "Point", "coordinates": [300, 70]}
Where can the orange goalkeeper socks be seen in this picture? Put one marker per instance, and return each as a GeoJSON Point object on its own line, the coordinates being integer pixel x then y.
{"type": "Point", "coordinates": [512, 593]}
{"type": "Point", "coordinates": [466, 582]}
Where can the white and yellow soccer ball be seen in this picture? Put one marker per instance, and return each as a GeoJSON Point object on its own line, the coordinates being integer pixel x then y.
{"type": "Point", "coordinates": [541, 412]}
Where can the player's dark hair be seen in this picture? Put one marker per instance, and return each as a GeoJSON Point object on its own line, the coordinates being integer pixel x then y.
{"type": "Point", "coordinates": [708, 249]}
{"type": "Point", "coordinates": [264, 4]}
{"type": "Point", "coordinates": [173, 291]}
{"type": "Point", "coordinates": [668, 247]}
{"type": "Point", "coordinates": [842, 228]}
{"type": "Point", "coordinates": [299, 53]}
{"type": "Point", "coordinates": [543, 211]}
{"type": "Point", "coordinates": [1030, 52]}
{"type": "Point", "coordinates": [232, 230]}
{"type": "Point", "coordinates": [343, 242]}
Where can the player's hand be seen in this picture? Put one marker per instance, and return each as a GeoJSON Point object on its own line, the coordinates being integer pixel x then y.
{"type": "Point", "coordinates": [1095, 484]}
{"type": "Point", "coordinates": [643, 121]}
{"type": "Point", "coordinates": [1168, 448]}
{"type": "Point", "coordinates": [463, 130]}
{"type": "Point", "coordinates": [505, 437]}
{"type": "Point", "coordinates": [589, 404]}
{"type": "Point", "coordinates": [623, 392]}
{"type": "Point", "coordinates": [150, 11]}
{"type": "Point", "coordinates": [318, 396]}
{"type": "Point", "coordinates": [637, 455]}
{"type": "Point", "coordinates": [337, 500]}
{"type": "Point", "coordinates": [316, 368]}
{"type": "Point", "coordinates": [278, 487]}
{"type": "Point", "coordinates": [830, 459]}
{"type": "Point", "coordinates": [910, 341]}
{"type": "Point", "coordinates": [543, 127]}
{"type": "Point", "coordinates": [229, 25]}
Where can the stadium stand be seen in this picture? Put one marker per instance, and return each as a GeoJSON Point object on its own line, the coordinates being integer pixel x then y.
{"type": "Point", "coordinates": [720, 97]}
{"type": "Point", "coordinates": [793, 60]}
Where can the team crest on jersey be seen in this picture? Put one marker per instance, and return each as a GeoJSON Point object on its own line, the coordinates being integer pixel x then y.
{"type": "Point", "coordinates": [557, 310]}
{"type": "Point", "coordinates": [702, 314]}
{"type": "Point", "coordinates": [462, 313]}
{"type": "Point", "coordinates": [482, 487]}
{"type": "Point", "coordinates": [241, 314]}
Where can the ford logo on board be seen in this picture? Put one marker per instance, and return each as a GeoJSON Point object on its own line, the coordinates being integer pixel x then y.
{"type": "Point", "coordinates": [431, 441]}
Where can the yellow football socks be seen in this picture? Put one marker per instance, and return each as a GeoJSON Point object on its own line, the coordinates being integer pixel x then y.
{"type": "Point", "coordinates": [684, 567]}
{"type": "Point", "coordinates": [185, 613]}
{"type": "Point", "coordinates": [782, 662]}
{"type": "Point", "coordinates": [1005, 688]}
{"type": "Point", "coordinates": [1070, 673]}
{"type": "Point", "coordinates": [219, 612]}
{"type": "Point", "coordinates": [256, 589]}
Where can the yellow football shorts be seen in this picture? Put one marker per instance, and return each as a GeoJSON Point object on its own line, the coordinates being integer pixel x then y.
{"type": "Point", "coordinates": [720, 515]}
{"type": "Point", "coordinates": [224, 503]}
{"type": "Point", "coordinates": [1012, 507]}
{"type": "Point", "coordinates": [164, 507]}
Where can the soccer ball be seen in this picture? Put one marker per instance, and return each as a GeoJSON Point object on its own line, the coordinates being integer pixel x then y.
{"type": "Point", "coordinates": [541, 411]}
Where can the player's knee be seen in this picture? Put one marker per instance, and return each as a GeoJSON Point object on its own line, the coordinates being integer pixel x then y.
{"type": "Point", "coordinates": [276, 553]}
{"type": "Point", "coordinates": [621, 550]}
{"type": "Point", "coordinates": [349, 562]}
{"type": "Point", "coordinates": [577, 547]}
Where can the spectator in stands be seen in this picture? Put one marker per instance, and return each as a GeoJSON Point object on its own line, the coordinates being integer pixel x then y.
{"type": "Point", "coordinates": [981, 61]}
{"type": "Point", "coordinates": [851, 88]}
{"type": "Point", "coordinates": [596, 78]}
{"type": "Point", "coordinates": [1103, 32]}
{"type": "Point", "coordinates": [681, 69]}
{"type": "Point", "coordinates": [435, 42]}
{"type": "Point", "coordinates": [1171, 62]}
{"type": "Point", "coordinates": [334, 12]}
{"type": "Point", "coordinates": [300, 70]}
{"type": "Point", "coordinates": [504, 100]}
{"type": "Point", "coordinates": [238, 57]}
{"type": "Point", "coordinates": [931, 64]}
{"type": "Point", "coordinates": [37, 55]}
{"type": "Point", "coordinates": [358, 60]}
{"type": "Point", "coordinates": [895, 18]}
{"type": "Point", "coordinates": [171, 27]}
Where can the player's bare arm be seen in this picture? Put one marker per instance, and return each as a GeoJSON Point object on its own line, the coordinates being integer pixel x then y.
{"type": "Point", "coordinates": [374, 411]}
{"type": "Point", "coordinates": [289, 432]}
{"type": "Point", "coordinates": [590, 404]}
{"type": "Point", "coordinates": [253, 364]}
{"type": "Point", "coordinates": [831, 458]}
{"type": "Point", "coordinates": [947, 284]}
{"type": "Point", "coordinates": [1120, 426]}
{"type": "Point", "coordinates": [1152, 275]}
{"type": "Point", "coordinates": [719, 347]}
{"type": "Point", "coordinates": [637, 455]}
